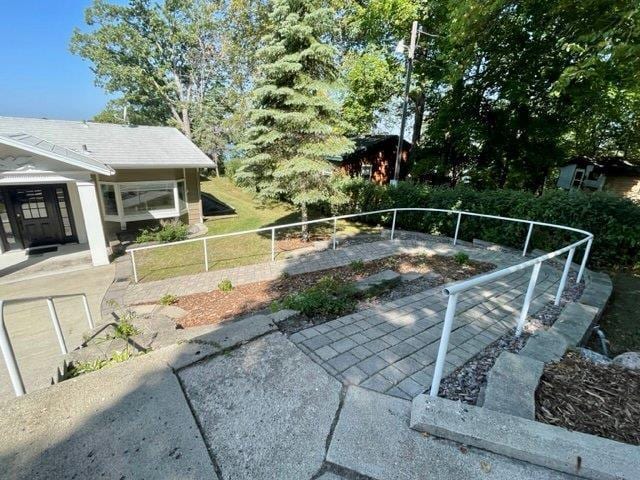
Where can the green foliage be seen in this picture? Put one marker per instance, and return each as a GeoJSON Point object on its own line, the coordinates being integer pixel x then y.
{"type": "Point", "coordinates": [167, 232]}
{"type": "Point", "coordinates": [225, 285]}
{"type": "Point", "coordinates": [295, 122]}
{"type": "Point", "coordinates": [100, 363]}
{"type": "Point", "coordinates": [357, 266]}
{"type": "Point", "coordinates": [231, 168]}
{"type": "Point", "coordinates": [461, 258]}
{"type": "Point", "coordinates": [614, 221]}
{"type": "Point", "coordinates": [329, 297]}
{"type": "Point", "coordinates": [168, 299]}
{"type": "Point", "coordinates": [124, 329]}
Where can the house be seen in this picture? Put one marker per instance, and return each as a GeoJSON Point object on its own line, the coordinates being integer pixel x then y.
{"type": "Point", "coordinates": [83, 182]}
{"type": "Point", "coordinates": [374, 158]}
{"type": "Point", "coordinates": [614, 174]}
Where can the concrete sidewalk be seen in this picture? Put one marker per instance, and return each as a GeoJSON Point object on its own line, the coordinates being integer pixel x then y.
{"type": "Point", "coordinates": [29, 325]}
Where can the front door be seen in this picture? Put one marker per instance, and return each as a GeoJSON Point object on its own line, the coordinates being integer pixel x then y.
{"type": "Point", "coordinates": [41, 214]}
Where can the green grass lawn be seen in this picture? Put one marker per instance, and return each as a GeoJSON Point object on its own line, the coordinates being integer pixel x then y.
{"type": "Point", "coordinates": [234, 251]}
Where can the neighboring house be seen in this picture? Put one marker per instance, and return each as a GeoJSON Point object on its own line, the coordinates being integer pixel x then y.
{"type": "Point", "coordinates": [374, 158]}
{"type": "Point", "coordinates": [83, 182]}
{"type": "Point", "coordinates": [615, 175]}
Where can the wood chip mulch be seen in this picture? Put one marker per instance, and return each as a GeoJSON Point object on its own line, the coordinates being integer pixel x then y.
{"type": "Point", "coordinates": [216, 306]}
{"type": "Point", "coordinates": [602, 400]}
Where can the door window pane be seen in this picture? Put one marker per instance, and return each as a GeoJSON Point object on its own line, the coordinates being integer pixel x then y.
{"type": "Point", "coordinates": [140, 198]}
{"type": "Point", "coordinates": [64, 213]}
{"type": "Point", "coordinates": [32, 204]}
{"type": "Point", "coordinates": [109, 199]}
{"type": "Point", "coordinates": [5, 224]}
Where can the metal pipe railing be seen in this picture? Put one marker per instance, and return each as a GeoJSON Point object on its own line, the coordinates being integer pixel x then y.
{"type": "Point", "coordinates": [8, 353]}
{"type": "Point", "coordinates": [455, 289]}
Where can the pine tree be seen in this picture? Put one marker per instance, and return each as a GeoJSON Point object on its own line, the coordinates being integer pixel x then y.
{"type": "Point", "coordinates": [295, 122]}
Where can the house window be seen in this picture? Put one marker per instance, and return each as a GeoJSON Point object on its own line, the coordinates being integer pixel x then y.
{"type": "Point", "coordinates": [131, 201]}
{"type": "Point", "coordinates": [109, 199]}
{"type": "Point", "coordinates": [365, 171]}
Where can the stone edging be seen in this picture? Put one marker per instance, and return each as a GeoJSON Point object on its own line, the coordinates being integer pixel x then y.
{"type": "Point", "coordinates": [505, 423]}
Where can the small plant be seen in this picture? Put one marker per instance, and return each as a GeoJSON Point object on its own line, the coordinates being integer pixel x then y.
{"type": "Point", "coordinates": [357, 266]}
{"type": "Point", "coordinates": [125, 329]}
{"type": "Point", "coordinates": [117, 356]}
{"type": "Point", "coordinates": [225, 285]}
{"type": "Point", "coordinates": [461, 258]}
{"type": "Point", "coordinates": [285, 275]}
{"type": "Point", "coordinates": [167, 232]}
{"type": "Point", "coordinates": [329, 297]}
{"type": "Point", "coordinates": [168, 299]}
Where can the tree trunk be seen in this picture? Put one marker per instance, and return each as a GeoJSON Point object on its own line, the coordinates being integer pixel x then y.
{"type": "Point", "coordinates": [304, 216]}
{"type": "Point", "coordinates": [418, 119]}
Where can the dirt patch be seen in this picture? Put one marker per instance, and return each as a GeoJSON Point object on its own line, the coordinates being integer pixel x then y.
{"type": "Point", "coordinates": [216, 306]}
{"type": "Point", "coordinates": [602, 400]}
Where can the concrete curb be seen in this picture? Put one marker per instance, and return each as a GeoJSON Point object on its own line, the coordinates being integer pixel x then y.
{"type": "Point", "coordinates": [552, 447]}
{"type": "Point", "coordinates": [505, 423]}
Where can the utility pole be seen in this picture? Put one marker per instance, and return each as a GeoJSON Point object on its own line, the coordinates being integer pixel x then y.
{"type": "Point", "coordinates": [407, 87]}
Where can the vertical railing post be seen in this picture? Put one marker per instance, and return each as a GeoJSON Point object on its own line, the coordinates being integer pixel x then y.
{"type": "Point", "coordinates": [56, 325]}
{"type": "Point", "coordinates": [273, 244]}
{"type": "Point", "coordinates": [565, 274]}
{"type": "Point", "coordinates": [455, 237]}
{"type": "Point", "coordinates": [133, 264]}
{"type": "Point", "coordinates": [335, 227]}
{"type": "Point", "coordinates": [206, 255]}
{"type": "Point", "coordinates": [9, 356]}
{"type": "Point", "coordinates": [444, 344]}
{"type": "Point", "coordinates": [527, 298]}
{"type": "Point", "coordinates": [585, 257]}
{"type": "Point", "coordinates": [393, 223]}
{"type": "Point", "coordinates": [526, 243]}
{"type": "Point", "coordinates": [87, 311]}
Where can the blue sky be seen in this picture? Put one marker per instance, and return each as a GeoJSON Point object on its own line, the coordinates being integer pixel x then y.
{"type": "Point", "coordinates": [39, 77]}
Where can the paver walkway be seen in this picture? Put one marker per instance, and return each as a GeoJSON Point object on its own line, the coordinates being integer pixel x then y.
{"type": "Point", "coordinates": [392, 348]}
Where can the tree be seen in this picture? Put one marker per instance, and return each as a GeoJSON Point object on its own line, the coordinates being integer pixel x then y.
{"type": "Point", "coordinates": [295, 121]}
{"type": "Point", "coordinates": [152, 52]}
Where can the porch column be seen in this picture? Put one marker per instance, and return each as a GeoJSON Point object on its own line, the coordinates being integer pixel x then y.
{"type": "Point", "coordinates": [93, 222]}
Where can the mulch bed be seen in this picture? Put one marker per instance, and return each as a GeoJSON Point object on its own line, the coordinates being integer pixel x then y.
{"type": "Point", "coordinates": [602, 400]}
{"type": "Point", "coordinates": [217, 306]}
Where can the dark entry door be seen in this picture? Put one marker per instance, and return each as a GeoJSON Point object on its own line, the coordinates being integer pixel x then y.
{"type": "Point", "coordinates": [36, 214]}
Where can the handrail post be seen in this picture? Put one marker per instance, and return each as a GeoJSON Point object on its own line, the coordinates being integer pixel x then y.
{"type": "Point", "coordinates": [444, 344]}
{"type": "Point", "coordinates": [87, 311]}
{"type": "Point", "coordinates": [526, 243]}
{"type": "Point", "coordinates": [206, 255]}
{"type": "Point", "coordinates": [527, 298]}
{"type": "Point", "coordinates": [393, 223]}
{"type": "Point", "coordinates": [133, 264]}
{"type": "Point", "coordinates": [10, 357]}
{"type": "Point", "coordinates": [273, 244]}
{"type": "Point", "coordinates": [56, 325]}
{"type": "Point", "coordinates": [335, 227]}
{"type": "Point", "coordinates": [455, 237]}
{"type": "Point", "coordinates": [585, 257]}
{"type": "Point", "coordinates": [565, 274]}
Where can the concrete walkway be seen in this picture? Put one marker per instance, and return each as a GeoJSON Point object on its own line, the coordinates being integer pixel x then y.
{"type": "Point", "coordinates": [29, 325]}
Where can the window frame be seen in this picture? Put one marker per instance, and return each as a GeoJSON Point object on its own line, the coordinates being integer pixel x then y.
{"type": "Point", "coordinates": [158, 214]}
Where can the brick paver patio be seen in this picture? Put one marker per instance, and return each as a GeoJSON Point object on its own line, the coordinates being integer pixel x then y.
{"type": "Point", "coordinates": [392, 348]}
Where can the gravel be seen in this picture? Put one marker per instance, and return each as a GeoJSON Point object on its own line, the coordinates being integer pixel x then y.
{"type": "Point", "coordinates": [466, 382]}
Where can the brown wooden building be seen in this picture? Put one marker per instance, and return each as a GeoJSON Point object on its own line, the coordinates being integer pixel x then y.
{"type": "Point", "coordinates": [374, 158]}
{"type": "Point", "coordinates": [615, 175]}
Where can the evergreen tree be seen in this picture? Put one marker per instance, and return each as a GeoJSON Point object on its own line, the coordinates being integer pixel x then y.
{"type": "Point", "coordinates": [295, 121]}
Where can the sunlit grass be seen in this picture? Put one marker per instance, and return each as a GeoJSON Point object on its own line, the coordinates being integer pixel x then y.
{"type": "Point", "coordinates": [229, 252]}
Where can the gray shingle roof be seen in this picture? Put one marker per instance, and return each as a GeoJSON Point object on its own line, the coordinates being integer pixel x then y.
{"type": "Point", "coordinates": [119, 146]}
{"type": "Point", "coordinates": [39, 146]}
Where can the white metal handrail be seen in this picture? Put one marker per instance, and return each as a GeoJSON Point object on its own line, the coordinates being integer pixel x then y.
{"type": "Point", "coordinates": [453, 290]}
{"type": "Point", "coordinates": [5, 342]}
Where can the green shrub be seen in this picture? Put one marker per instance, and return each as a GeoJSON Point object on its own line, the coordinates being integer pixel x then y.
{"type": "Point", "coordinates": [225, 285]}
{"type": "Point", "coordinates": [357, 266]}
{"type": "Point", "coordinates": [461, 258]}
{"type": "Point", "coordinates": [330, 296]}
{"type": "Point", "coordinates": [168, 299]}
{"type": "Point", "coordinates": [614, 221]}
{"type": "Point", "coordinates": [231, 167]}
{"type": "Point", "coordinates": [166, 232]}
